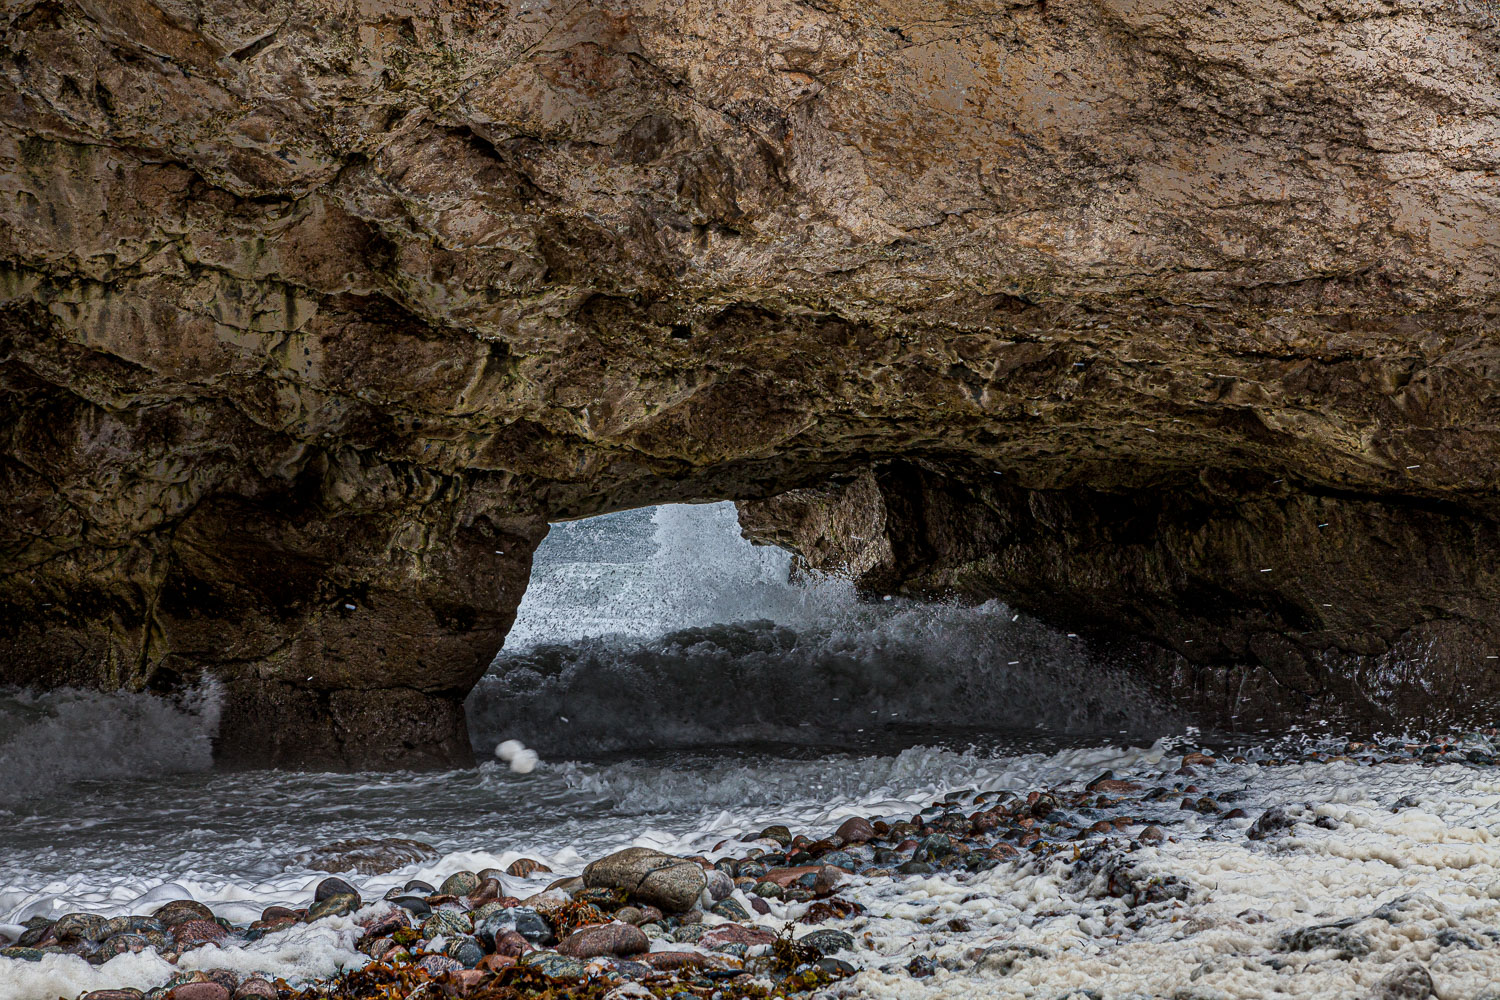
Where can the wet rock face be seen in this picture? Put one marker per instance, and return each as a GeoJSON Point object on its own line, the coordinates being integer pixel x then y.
{"type": "Point", "coordinates": [311, 317]}
{"type": "Point", "coordinates": [1256, 600]}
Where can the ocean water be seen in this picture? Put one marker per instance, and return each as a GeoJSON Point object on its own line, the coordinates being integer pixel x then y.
{"type": "Point", "coordinates": [683, 693]}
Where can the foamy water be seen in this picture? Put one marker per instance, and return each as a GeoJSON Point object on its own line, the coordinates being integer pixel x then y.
{"type": "Point", "coordinates": [683, 694]}
{"type": "Point", "coordinates": [1407, 885]}
{"type": "Point", "coordinates": [677, 633]}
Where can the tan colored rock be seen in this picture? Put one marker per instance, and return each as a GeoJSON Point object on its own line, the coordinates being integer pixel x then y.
{"type": "Point", "coordinates": [649, 876]}
{"type": "Point", "coordinates": [311, 317]}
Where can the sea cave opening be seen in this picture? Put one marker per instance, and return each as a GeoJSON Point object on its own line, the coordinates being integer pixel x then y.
{"type": "Point", "coordinates": [662, 630]}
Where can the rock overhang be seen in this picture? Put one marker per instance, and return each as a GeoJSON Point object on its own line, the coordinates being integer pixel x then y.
{"type": "Point", "coordinates": [315, 310]}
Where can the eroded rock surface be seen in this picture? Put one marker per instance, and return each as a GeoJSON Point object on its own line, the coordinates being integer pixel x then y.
{"type": "Point", "coordinates": [311, 315]}
{"type": "Point", "coordinates": [1257, 601]}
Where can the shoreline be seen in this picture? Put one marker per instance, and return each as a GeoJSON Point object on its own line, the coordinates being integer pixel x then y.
{"type": "Point", "coordinates": [885, 905]}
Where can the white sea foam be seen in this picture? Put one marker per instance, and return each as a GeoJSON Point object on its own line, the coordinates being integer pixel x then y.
{"type": "Point", "coordinates": [1435, 871]}
{"type": "Point", "coordinates": [304, 952]}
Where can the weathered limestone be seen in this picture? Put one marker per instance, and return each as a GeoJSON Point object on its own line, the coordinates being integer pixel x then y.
{"type": "Point", "coordinates": [318, 306]}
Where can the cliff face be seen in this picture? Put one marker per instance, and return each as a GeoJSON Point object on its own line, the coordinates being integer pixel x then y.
{"type": "Point", "coordinates": [311, 315]}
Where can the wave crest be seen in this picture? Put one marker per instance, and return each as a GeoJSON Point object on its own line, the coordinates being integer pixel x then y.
{"type": "Point", "coordinates": [53, 738]}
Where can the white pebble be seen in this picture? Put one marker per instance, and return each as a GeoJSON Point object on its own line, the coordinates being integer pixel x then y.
{"type": "Point", "coordinates": [524, 762]}
{"type": "Point", "coordinates": [507, 751]}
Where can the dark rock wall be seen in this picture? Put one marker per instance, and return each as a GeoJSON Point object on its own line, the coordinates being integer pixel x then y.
{"type": "Point", "coordinates": [308, 304]}
{"type": "Point", "coordinates": [1251, 601]}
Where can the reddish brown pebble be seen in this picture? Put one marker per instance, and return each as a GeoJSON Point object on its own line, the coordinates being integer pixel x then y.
{"type": "Point", "coordinates": [726, 934]}
{"type": "Point", "coordinates": [510, 944]}
{"type": "Point", "coordinates": [192, 933]}
{"type": "Point", "coordinates": [494, 963]}
{"type": "Point", "coordinates": [272, 926]}
{"type": "Point", "coordinates": [181, 910]}
{"type": "Point", "coordinates": [255, 989]}
{"type": "Point", "coordinates": [983, 822]}
{"type": "Point", "coordinates": [605, 939]}
{"type": "Point", "coordinates": [830, 909]}
{"type": "Point", "coordinates": [489, 889]}
{"type": "Point", "coordinates": [855, 830]}
{"type": "Point", "coordinates": [666, 961]}
{"type": "Point", "coordinates": [386, 923]}
{"type": "Point", "coordinates": [199, 991]}
{"type": "Point", "coordinates": [1198, 758]}
{"type": "Point", "coordinates": [466, 979]}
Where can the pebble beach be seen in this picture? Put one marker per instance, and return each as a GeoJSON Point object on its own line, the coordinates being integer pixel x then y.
{"type": "Point", "coordinates": [1307, 868]}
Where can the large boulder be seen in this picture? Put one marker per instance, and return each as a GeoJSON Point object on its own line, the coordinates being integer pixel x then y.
{"type": "Point", "coordinates": [649, 876]}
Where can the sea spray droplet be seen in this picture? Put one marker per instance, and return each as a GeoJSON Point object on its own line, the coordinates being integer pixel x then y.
{"type": "Point", "coordinates": [520, 759]}
{"type": "Point", "coordinates": [524, 762]}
